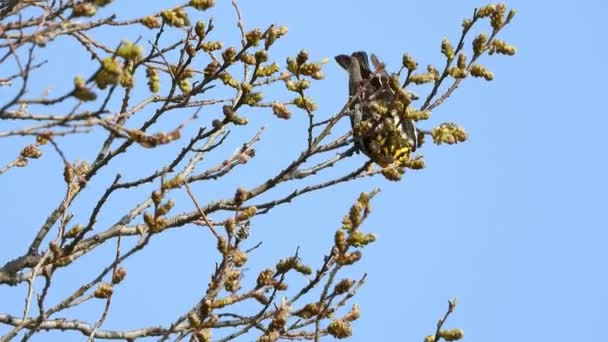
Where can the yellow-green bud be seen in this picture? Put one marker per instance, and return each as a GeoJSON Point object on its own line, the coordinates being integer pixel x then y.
{"type": "Point", "coordinates": [151, 22]}
{"type": "Point", "coordinates": [479, 43]}
{"type": "Point", "coordinates": [212, 46]}
{"type": "Point", "coordinates": [81, 92]}
{"type": "Point", "coordinates": [199, 29]}
{"type": "Point", "coordinates": [302, 57]}
{"type": "Point", "coordinates": [305, 103]}
{"type": "Point", "coordinates": [84, 9]}
{"type": "Point", "coordinates": [229, 54]}
{"type": "Point", "coordinates": [104, 290]}
{"type": "Point", "coordinates": [119, 275]}
{"type": "Point", "coordinates": [478, 70]}
{"type": "Point", "coordinates": [447, 49]}
{"type": "Point", "coordinates": [409, 62]}
{"type": "Point", "coordinates": [130, 51]}
{"type": "Point", "coordinates": [343, 286]}
{"type": "Point", "coordinates": [248, 59]}
{"type": "Point", "coordinates": [253, 37]}
{"type": "Point", "coordinates": [451, 335]}
{"type": "Point", "coordinates": [202, 4]}
{"type": "Point", "coordinates": [239, 258]}
{"type": "Point", "coordinates": [281, 110]}
{"type": "Point", "coordinates": [339, 329]}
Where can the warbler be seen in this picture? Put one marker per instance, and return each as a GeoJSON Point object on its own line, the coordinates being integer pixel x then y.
{"type": "Point", "coordinates": [383, 139]}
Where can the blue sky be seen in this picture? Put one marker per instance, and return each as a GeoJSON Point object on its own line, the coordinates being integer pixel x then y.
{"type": "Point", "coordinates": [509, 222]}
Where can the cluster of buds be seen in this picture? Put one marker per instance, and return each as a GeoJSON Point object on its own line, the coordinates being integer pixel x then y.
{"type": "Point", "coordinates": [341, 328]}
{"type": "Point", "coordinates": [182, 76]}
{"type": "Point", "coordinates": [261, 56]}
{"type": "Point", "coordinates": [278, 323]}
{"type": "Point", "coordinates": [30, 152]}
{"type": "Point", "coordinates": [119, 275]}
{"type": "Point", "coordinates": [266, 278]}
{"type": "Point", "coordinates": [448, 335]}
{"type": "Point", "coordinates": [422, 78]}
{"type": "Point", "coordinates": [502, 47]}
{"type": "Point", "coordinates": [349, 234]}
{"type": "Point", "coordinates": [151, 22]}
{"type": "Point", "coordinates": [251, 99]}
{"type": "Point", "coordinates": [460, 71]}
{"type": "Point", "coordinates": [104, 290]}
{"type": "Point", "coordinates": [173, 183]}
{"type": "Point", "coordinates": [73, 232]}
{"type": "Point", "coordinates": [343, 286]}
{"type": "Point", "coordinates": [292, 263]}
{"type": "Point", "coordinates": [231, 116]}
{"type": "Point", "coordinates": [246, 213]}
{"type": "Point", "coordinates": [497, 14]}
{"type": "Point", "coordinates": [81, 91]}
{"type": "Point", "coordinates": [248, 59]}
{"type": "Point", "coordinates": [452, 334]}
{"type": "Point", "coordinates": [75, 174]}
{"type": "Point", "coordinates": [153, 79]}
{"type": "Point", "coordinates": [158, 222]}
{"type": "Point", "coordinates": [253, 37]}
{"type": "Point", "coordinates": [281, 110]}
{"type": "Point", "coordinates": [447, 49]}
{"type": "Point", "coordinates": [229, 54]}
{"type": "Point", "coordinates": [202, 5]}
{"type": "Point", "coordinates": [306, 103]}
{"type": "Point", "coordinates": [497, 19]}
{"type": "Point", "coordinates": [84, 9]}
{"type": "Point", "coordinates": [203, 335]}
{"type": "Point", "coordinates": [393, 173]}
{"type": "Point", "coordinates": [200, 29]}
{"type": "Point", "coordinates": [409, 62]}
{"type": "Point", "coordinates": [480, 44]}
{"type": "Point", "coordinates": [297, 86]}
{"type": "Point", "coordinates": [299, 66]}
{"type": "Point", "coordinates": [239, 258]}
{"type": "Point", "coordinates": [267, 70]}
{"type": "Point", "coordinates": [417, 115]}
{"type": "Point", "coordinates": [228, 80]}
{"type": "Point", "coordinates": [177, 17]}
{"type": "Point", "coordinates": [449, 133]}
{"type": "Point", "coordinates": [478, 70]}
{"type": "Point", "coordinates": [130, 52]}
{"type": "Point", "coordinates": [110, 73]}
{"type": "Point", "coordinates": [212, 46]}
{"type": "Point", "coordinates": [211, 69]}
{"type": "Point", "coordinates": [126, 79]}
{"type": "Point", "coordinates": [309, 310]}
{"type": "Point", "coordinates": [273, 33]}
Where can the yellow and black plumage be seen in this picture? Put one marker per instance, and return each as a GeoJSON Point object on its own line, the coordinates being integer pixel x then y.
{"type": "Point", "coordinates": [378, 114]}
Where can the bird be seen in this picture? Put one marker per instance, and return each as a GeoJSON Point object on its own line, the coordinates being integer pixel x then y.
{"type": "Point", "coordinates": [379, 80]}
{"type": "Point", "coordinates": [368, 86]}
{"type": "Point", "coordinates": [352, 66]}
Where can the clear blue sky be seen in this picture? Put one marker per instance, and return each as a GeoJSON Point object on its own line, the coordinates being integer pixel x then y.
{"type": "Point", "coordinates": [511, 222]}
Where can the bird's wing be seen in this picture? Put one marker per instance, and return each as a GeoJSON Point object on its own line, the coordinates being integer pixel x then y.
{"type": "Point", "coordinates": [379, 66]}
{"type": "Point", "coordinates": [366, 71]}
